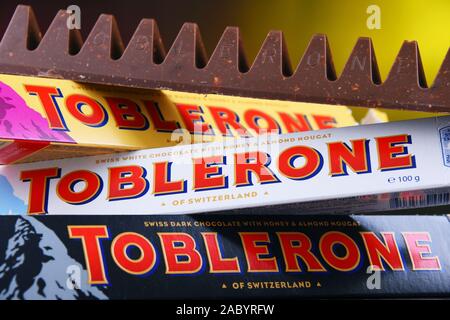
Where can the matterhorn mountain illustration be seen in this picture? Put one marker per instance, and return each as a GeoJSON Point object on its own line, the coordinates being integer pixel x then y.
{"type": "Point", "coordinates": [35, 264]}
{"type": "Point", "coordinates": [10, 203]}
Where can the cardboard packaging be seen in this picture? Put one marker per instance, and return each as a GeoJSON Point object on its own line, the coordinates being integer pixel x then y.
{"type": "Point", "coordinates": [42, 119]}
{"type": "Point", "coordinates": [380, 167]}
{"type": "Point", "coordinates": [223, 256]}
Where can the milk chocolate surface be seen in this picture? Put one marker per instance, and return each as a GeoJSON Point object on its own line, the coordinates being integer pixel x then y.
{"type": "Point", "coordinates": [144, 63]}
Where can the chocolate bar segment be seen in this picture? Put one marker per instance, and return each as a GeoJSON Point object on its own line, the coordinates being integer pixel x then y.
{"type": "Point", "coordinates": [102, 58]}
{"type": "Point", "coordinates": [40, 120]}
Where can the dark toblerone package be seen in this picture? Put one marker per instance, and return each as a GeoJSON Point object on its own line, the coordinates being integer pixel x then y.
{"type": "Point", "coordinates": [223, 256]}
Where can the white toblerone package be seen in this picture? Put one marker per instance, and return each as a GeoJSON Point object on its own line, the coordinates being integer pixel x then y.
{"type": "Point", "coordinates": [348, 170]}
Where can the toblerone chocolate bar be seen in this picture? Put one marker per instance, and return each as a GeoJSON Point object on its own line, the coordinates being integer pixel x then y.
{"type": "Point", "coordinates": [61, 52]}
{"type": "Point", "coordinates": [42, 119]}
{"type": "Point", "coordinates": [347, 170]}
{"type": "Point", "coordinates": [223, 256]}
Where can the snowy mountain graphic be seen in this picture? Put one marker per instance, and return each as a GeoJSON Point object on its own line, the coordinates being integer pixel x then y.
{"type": "Point", "coordinates": [35, 266]}
{"type": "Point", "coordinates": [9, 203]}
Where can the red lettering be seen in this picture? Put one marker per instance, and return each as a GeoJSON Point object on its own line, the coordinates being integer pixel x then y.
{"type": "Point", "coordinates": [217, 263]}
{"type": "Point", "coordinates": [341, 155]}
{"type": "Point", "coordinates": [160, 124]}
{"type": "Point", "coordinates": [352, 255]}
{"type": "Point", "coordinates": [177, 245]}
{"type": "Point", "coordinates": [299, 124]}
{"type": "Point", "coordinates": [313, 162]}
{"type": "Point", "coordinates": [90, 237]}
{"type": "Point", "coordinates": [96, 117]}
{"type": "Point", "coordinates": [389, 150]}
{"type": "Point", "coordinates": [193, 119]}
{"type": "Point", "coordinates": [39, 182]}
{"type": "Point", "coordinates": [139, 266]}
{"type": "Point", "coordinates": [420, 252]}
{"type": "Point", "coordinates": [324, 122]}
{"type": "Point", "coordinates": [388, 250]}
{"type": "Point", "coordinates": [207, 175]}
{"type": "Point", "coordinates": [226, 120]}
{"type": "Point", "coordinates": [47, 96]}
{"type": "Point", "coordinates": [256, 163]}
{"type": "Point", "coordinates": [162, 184]}
{"type": "Point", "coordinates": [253, 250]}
{"type": "Point", "coordinates": [127, 182]}
{"type": "Point", "coordinates": [296, 245]}
{"type": "Point", "coordinates": [66, 187]}
{"type": "Point", "coordinates": [253, 117]}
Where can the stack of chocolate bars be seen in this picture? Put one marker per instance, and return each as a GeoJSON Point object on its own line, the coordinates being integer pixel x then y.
{"type": "Point", "coordinates": [136, 173]}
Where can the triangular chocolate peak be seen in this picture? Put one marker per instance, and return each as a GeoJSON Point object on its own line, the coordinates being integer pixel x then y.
{"type": "Point", "coordinates": [145, 64]}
